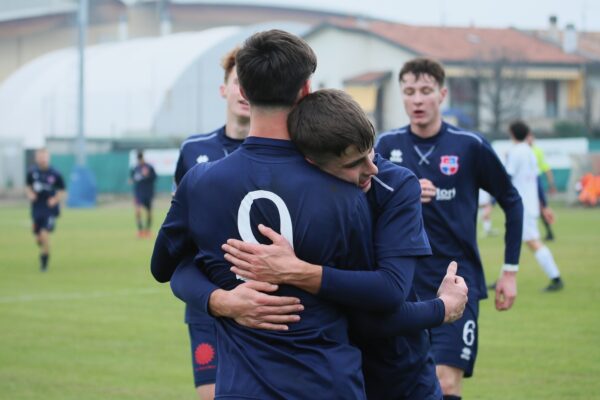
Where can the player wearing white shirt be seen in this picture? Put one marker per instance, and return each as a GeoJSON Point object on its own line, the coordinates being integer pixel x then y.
{"type": "Point", "coordinates": [486, 204]}
{"type": "Point", "coordinates": [521, 165]}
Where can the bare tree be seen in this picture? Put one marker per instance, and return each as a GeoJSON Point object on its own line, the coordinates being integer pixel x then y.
{"type": "Point", "coordinates": [503, 88]}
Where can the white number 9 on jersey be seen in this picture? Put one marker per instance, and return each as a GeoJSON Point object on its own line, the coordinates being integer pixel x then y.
{"type": "Point", "coordinates": [243, 218]}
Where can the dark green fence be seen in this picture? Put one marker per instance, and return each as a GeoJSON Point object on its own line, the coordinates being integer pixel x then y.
{"type": "Point", "coordinates": [111, 171]}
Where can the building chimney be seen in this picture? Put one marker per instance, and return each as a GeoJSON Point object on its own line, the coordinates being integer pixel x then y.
{"type": "Point", "coordinates": [123, 31]}
{"type": "Point", "coordinates": [569, 43]}
{"type": "Point", "coordinates": [553, 31]}
{"type": "Point", "coordinates": [164, 17]}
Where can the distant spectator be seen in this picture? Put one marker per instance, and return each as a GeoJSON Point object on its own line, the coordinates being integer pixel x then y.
{"type": "Point", "coordinates": [589, 189]}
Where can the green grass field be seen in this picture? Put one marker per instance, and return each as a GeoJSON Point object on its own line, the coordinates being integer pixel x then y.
{"type": "Point", "coordinates": [97, 326]}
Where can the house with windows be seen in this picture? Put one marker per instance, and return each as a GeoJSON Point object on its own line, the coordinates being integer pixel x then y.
{"type": "Point", "coordinates": [493, 75]}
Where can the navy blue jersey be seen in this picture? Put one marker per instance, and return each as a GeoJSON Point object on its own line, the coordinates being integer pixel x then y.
{"type": "Point", "coordinates": [327, 221]}
{"type": "Point", "coordinates": [198, 149]}
{"type": "Point", "coordinates": [202, 148]}
{"type": "Point", "coordinates": [45, 184]}
{"type": "Point", "coordinates": [143, 177]}
{"type": "Point", "coordinates": [392, 365]}
{"type": "Point", "coordinates": [458, 163]}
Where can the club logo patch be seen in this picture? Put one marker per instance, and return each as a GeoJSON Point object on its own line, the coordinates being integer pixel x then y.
{"type": "Point", "coordinates": [202, 158]}
{"type": "Point", "coordinates": [449, 165]}
{"type": "Point", "coordinates": [396, 156]}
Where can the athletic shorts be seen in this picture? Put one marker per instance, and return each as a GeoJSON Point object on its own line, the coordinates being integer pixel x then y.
{"type": "Point", "coordinates": [455, 344]}
{"type": "Point", "coordinates": [146, 202]}
{"type": "Point", "coordinates": [46, 223]}
{"type": "Point", "coordinates": [530, 228]}
{"type": "Point", "coordinates": [203, 339]}
{"type": "Point", "coordinates": [427, 386]}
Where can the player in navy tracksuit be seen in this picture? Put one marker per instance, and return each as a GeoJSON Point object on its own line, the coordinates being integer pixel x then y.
{"type": "Point", "coordinates": [143, 178]}
{"type": "Point", "coordinates": [198, 149]}
{"type": "Point", "coordinates": [452, 165]}
{"type": "Point", "coordinates": [267, 181]}
{"type": "Point", "coordinates": [395, 367]}
{"type": "Point", "coordinates": [45, 188]}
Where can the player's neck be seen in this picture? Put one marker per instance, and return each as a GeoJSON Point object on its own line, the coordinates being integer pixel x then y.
{"type": "Point", "coordinates": [270, 123]}
{"type": "Point", "coordinates": [237, 128]}
{"type": "Point", "coordinates": [427, 131]}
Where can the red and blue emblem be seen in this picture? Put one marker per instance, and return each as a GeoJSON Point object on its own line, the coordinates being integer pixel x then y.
{"type": "Point", "coordinates": [449, 165]}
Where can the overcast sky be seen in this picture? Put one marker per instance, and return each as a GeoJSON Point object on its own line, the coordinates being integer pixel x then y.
{"type": "Point", "coordinates": [584, 14]}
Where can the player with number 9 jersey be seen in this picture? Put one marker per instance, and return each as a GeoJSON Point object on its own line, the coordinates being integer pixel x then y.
{"type": "Point", "coordinates": [328, 222]}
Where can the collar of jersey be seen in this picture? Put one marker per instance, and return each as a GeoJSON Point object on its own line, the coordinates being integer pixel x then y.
{"type": "Point", "coordinates": [432, 139]}
{"type": "Point", "coordinates": [271, 147]}
{"type": "Point", "coordinates": [226, 139]}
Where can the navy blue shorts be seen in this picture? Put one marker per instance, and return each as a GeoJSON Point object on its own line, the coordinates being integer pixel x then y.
{"type": "Point", "coordinates": [146, 202]}
{"type": "Point", "coordinates": [427, 385]}
{"type": "Point", "coordinates": [455, 344]}
{"type": "Point", "coordinates": [46, 223]}
{"type": "Point", "coordinates": [203, 338]}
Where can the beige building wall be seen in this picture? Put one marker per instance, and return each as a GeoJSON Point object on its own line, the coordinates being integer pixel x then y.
{"type": "Point", "coordinates": [26, 39]}
{"type": "Point", "coordinates": [23, 41]}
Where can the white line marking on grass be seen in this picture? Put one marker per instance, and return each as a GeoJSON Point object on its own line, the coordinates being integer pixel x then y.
{"type": "Point", "coordinates": [81, 295]}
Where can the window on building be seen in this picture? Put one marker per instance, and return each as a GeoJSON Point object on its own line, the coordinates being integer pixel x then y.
{"type": "Point", "coordinates": [464, 99]}
{"type": "Point", "coordinates": [367, 89]}
{"type": "Point", "coordinates": [551, 96]}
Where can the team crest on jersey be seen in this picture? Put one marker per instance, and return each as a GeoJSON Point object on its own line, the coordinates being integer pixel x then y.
{"type": "Point", "coordinates": [396, 156]}
{"type": "Point", "coordinates": [202, 158]}
{"type": "Point", "coordinates": [449, 165]}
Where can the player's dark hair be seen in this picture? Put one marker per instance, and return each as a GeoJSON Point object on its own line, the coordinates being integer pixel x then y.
{"type": "Point", "coordinates": [424, 66]}
{"type": "Point", "coordinates": [519, 130]}
{"type": "Point", "coordinates": [272, 66]}
{"type": "Point", "coordinates": [140, 154]}
{"type": "Point", "coordinates": [326, 122]}
{"type": "Point", "coordinates": [228, 62]}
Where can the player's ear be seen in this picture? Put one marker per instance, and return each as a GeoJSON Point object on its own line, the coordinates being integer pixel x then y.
{"type": "Point", "coordinates": [222, 90]}
{"type": "Point", "coordinates": [443, 93]}
{"type": "Point", "coordinates": [304, 90]}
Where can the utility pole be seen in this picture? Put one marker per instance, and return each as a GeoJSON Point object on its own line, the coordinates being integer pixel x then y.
{"type": "Point", "coordinates": [82, 183]}
{"type": "Point", "coordinates": [82, 17]}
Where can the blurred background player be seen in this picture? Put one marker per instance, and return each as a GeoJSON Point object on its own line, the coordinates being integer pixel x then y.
{"type": "Point", "coordinates": [452, 165]}
{"type": "Point", "coordinates": [486, 205]}
{"type": "Point", "coordinates": [143, 178]}
{"type": "Point", "coordinates": [546, 214]}
{"type": "Point", "coordinates": [45, 189]}
{"type": "Point", "coordinates": [199, 149]}
{"type": "Point", "coordinates": [521, 165]}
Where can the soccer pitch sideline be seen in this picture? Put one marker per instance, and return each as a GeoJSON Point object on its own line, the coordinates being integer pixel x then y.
{"type": "Point", "coordinates": [97, 326]}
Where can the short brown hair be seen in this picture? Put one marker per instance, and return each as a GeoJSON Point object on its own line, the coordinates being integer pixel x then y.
{"type": "Point", "coordinates": [424, 66]}
{"type": "Point", "coordinates": [326, 122]}
{"type": "Point", "coordinates": [272, 66]}
{"type": "Point", "coordinates": [228, 61]}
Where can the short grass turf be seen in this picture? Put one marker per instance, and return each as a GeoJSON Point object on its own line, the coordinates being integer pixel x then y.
{"type": "Point", "coordinates": [97, 326]}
